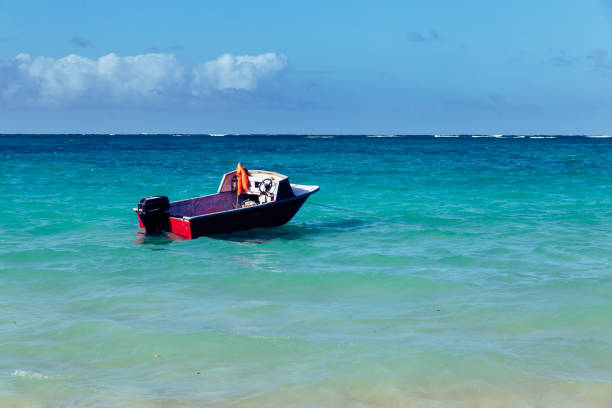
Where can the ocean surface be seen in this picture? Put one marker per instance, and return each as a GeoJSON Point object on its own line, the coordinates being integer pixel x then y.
{"type": "Point", "coordinates": [459, 272]}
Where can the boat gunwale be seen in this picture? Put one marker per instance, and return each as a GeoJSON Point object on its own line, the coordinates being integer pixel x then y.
{"type": "Point", "coordinates": [197, 217]}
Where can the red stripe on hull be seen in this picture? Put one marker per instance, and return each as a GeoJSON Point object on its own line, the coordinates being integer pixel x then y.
{"type": "Point", "coordinates": [177, 225]}
{"type": "Point", "coordinates": [180, 227]}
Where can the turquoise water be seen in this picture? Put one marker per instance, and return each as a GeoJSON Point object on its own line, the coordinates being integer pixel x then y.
{"type": "Point", "coordinates": [485, 280]}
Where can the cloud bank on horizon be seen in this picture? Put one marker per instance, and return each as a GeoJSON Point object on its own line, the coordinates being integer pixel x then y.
{"type": "Point", "coordinates": [144, 78]}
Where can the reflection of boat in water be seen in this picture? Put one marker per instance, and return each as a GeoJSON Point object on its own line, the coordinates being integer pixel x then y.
{"type": "Point", "coordinates": [268, 200]}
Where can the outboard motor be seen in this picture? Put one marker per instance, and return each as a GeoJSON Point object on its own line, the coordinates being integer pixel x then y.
{"type": "Point", "coordinates": [153, 212]}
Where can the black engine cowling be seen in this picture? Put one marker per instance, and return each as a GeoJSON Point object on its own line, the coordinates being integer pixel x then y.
{"type": "Point", "coordinates": [153, 212]}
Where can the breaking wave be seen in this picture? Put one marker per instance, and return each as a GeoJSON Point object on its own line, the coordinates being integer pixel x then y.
{"type": "Point", "coordinates": [32, 375]}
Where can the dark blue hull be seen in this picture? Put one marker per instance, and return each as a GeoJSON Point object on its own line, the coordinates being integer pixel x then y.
{"type": "Point", "coordinates": [265, 215]}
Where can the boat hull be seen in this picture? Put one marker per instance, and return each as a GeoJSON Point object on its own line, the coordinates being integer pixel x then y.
{"type": "Point", "coordinates": [260, 216]}
{"type": "Point", "coordinates": [268, 215]}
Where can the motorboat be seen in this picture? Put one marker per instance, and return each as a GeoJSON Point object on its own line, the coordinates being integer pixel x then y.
{"type": "Point", "coordinates": [245, 199]}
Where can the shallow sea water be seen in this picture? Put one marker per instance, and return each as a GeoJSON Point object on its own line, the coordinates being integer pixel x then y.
{"type": "Point", "coordinates": [484, 281]}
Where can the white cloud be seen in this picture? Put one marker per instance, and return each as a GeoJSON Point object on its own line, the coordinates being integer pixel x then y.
{"type": "Point", "coordinates": [241, 72]}
{"type": "Point", "coordinates": [139, 78]}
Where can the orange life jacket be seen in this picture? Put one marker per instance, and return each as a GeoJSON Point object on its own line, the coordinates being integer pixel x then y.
{"type": "Point", "coordinates": [242, 178]}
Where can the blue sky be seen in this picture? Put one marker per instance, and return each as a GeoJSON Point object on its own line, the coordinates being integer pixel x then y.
{"type": "Point", "coordinates": [410, 67]}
